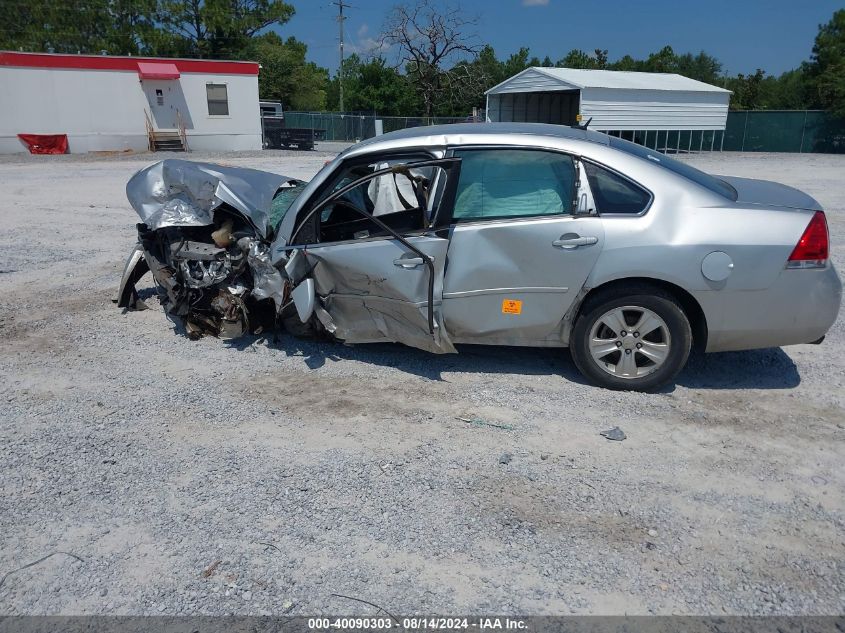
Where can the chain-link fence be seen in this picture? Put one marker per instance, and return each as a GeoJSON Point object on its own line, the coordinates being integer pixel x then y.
{"type": "Point", "coordinates": [356, 127]}
{"type": "Point", "coordinates": [746, 131]}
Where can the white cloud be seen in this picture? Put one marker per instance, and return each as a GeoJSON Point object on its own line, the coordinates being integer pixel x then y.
{"type": "Point", "coordinates": [364, 44]}
{"type": "Point", "coordinates": [535, 3]}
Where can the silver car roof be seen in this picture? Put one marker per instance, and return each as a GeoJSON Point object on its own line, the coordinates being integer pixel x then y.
{"type": "Point", "coordinates": [467, 133]}
{"type": "Point", "coordinates": [438, 137]}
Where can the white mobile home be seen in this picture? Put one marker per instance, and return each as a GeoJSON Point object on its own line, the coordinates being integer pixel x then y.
{"type": "Point", "coordinates": [106, 103]}
{"type": "Point", "coordinates": [651, 108]}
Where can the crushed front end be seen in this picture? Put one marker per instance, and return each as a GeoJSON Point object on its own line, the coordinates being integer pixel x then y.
{"type": "Point", "coordinates": [205, 236]}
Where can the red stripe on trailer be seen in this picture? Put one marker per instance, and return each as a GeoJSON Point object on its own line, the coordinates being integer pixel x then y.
{"type": "Point", "coordinates": [107, 62]}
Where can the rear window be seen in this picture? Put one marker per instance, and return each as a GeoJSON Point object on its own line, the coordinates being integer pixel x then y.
{"type": "Point", "coordinates": [614, 194]}
{"type": "Point", "coordinates": [682, 169]}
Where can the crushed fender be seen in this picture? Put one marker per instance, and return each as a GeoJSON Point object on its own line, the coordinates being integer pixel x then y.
{"type": "Point", "coordinates": [205, 236]}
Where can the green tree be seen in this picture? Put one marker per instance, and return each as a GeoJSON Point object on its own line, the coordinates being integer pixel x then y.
{"type": "Point", "coordinates": [663, 61]}
{"type": "Point", "coordinates": [373, 86]}
{"type": "Point", "coordinates": [189, 28]}
{"type": "Point", "coordinates": [576, 58]}
{"type": "Point", "coordinates": [286, 75]}
{"type": "Point", "coordinates": [786, 92]}
{"type": "Point", "coordinates": [826, 69]}
{"type": "Point", "coordinates": [484, 72]}
{"type": "Point", "coordinates": [626, 63]}
{"type": "Point", "coordinates": [218, 28]}
{"type": "Point", "coordinates": [701, 67]}
{"type": "Point", "coordinates": [515, 63]}
{"type": "Point", "coordinates": [431, 42]}
{"type": "Point", "coordinates": [62, 27]}
{"type": "Point", "coordinates": [747, 91]}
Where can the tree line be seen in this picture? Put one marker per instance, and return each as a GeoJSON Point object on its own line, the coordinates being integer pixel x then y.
{"type": "Point", "coordinates": [428, 61]}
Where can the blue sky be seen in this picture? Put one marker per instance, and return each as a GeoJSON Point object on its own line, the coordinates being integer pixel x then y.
{"type": "Point", "coordinates": [743, 34]}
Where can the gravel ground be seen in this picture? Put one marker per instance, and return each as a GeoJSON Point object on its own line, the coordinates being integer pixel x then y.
{"type": "Point", "coordinates": [264, 477]}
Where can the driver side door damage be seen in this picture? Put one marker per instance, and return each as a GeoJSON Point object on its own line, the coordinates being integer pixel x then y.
{"type": "Point", "coordinates": [367, 263]}
{"type": "Point", "coordinates": [375, 255]}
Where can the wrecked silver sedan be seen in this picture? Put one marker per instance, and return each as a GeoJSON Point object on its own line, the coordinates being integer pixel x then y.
{"type": "Point", "coordinates": [503, 234]}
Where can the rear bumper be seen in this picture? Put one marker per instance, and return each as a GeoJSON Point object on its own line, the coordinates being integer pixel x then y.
{"type": "Point", "coordinates": [798, 308]}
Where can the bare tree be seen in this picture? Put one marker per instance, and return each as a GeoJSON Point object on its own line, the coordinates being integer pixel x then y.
{"type": "Point", "coordinates": [430, 42]}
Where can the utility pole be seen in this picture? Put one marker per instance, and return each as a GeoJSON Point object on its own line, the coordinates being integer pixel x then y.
{"type": "Point", "coordinates": [340, 6]}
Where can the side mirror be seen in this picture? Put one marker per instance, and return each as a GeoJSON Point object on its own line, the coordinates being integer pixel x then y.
{"type": "Point", "coordinates": [303, 298]}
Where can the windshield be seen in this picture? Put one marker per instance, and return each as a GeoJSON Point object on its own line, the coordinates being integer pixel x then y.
{"type": "Point", "coordinates": [283, 199]}
{"type": "Point", "coordinates": [712, 183]}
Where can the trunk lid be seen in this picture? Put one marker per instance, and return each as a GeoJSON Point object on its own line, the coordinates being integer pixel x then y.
{"type": "Point", "coordinates": [770, 194]}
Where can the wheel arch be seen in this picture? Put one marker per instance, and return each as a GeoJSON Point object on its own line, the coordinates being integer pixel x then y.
{"type": "Point", "coordinates": [689, 304]}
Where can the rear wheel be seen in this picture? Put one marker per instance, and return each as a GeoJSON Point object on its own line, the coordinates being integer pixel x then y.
{"type": "Point", "coordinates": [631, 340]}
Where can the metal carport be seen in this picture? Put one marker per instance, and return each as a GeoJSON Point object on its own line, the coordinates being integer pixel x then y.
{"type": "Point", "coordinates": [666, 111]}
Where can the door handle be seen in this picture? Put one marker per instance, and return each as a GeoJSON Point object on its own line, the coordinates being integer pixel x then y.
{"type": "Point", "coordinates": [408, 262]}
{"type": "Point", "coordinates": [574, 242]}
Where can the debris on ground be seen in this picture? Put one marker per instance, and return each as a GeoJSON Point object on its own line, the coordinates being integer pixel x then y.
{"type": "Point", "coordinates": [479, 422]}
{"type": "Point", "coordinates": [208, 571]}
{"type": "Point", "coordinates": [505, 458]}
{"type": "Point", "coordinates": [616, 434]}
{"type": "Point", "coordinates": [34, 563]}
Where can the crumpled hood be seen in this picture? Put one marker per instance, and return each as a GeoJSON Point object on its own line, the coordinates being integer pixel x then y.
{"type": "Point", "coordinates": [765, 192]}
{"type": "Point", "coordinates": [176, 192]}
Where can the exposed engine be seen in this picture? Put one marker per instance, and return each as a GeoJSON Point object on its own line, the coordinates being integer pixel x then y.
{"type": "Point", "coordinates": [205, 237]}
{"type": "Point", "coordinates": [204, 278]}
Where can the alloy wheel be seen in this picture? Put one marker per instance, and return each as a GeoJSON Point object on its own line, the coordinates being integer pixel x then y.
{"type": "Point", "coordinates": [630, 342]}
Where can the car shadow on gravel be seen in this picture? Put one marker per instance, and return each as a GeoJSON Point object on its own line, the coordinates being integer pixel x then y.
{"type": "Point", "coordinates": [768, 368]}
{"type": "Point", "coordinates": [469, 359]}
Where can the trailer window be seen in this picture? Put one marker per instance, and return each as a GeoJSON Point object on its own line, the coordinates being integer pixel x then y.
{"type": "Point", "coordinates": [218, 99]}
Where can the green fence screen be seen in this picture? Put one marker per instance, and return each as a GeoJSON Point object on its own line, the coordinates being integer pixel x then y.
{"type": "Point", "coordinates": [784, 131]}
{"type": "Point", "coordinates": [356, 127]}
{"type": "Point", "coordinates": [746, 131]}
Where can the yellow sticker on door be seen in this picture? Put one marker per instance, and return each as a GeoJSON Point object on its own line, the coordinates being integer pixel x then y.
{"type": "Point", "coordinates": [511, 306]}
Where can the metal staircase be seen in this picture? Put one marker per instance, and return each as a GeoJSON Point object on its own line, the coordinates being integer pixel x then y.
{"type": "Point", "coordinates": [167, 140]}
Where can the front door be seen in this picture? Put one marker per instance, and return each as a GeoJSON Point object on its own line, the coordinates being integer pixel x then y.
{"type": "Point", "coordinates": [377, 290]}
{"type": "Point", "coordinates": [376, 263]}
{"type": "Point", "coordinates": [518, 256]}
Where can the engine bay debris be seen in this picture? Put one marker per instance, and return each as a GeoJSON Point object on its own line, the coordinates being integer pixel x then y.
{"type": "Point", "coordinates": [204, 235]}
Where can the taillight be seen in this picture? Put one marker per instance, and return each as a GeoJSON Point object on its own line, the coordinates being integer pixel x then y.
{"type": "Point", "coordinates": [812, 249]}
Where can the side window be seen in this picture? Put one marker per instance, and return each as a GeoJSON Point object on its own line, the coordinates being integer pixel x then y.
{"type": "Point", "coordinates": [513, 183]}
{"type": "Point", "coordinates": [401, 200]}
{"type": "Point", "coordinates": [613, 193]}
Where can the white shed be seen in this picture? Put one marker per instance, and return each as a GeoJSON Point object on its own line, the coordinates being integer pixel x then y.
{"type": "Point", "coordinates": [109, 103]}
{"type": "Point", "coordinates": [663, 110]}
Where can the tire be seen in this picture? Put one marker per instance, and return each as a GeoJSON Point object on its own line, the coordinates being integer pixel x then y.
{"type": "Point", "coordinates": [603, 346]}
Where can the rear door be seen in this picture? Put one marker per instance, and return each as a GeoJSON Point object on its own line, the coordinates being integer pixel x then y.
{"type": "Point", "coordinates": [524, 239]}
{"type": "Point", "coordinates": [376, 263]}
